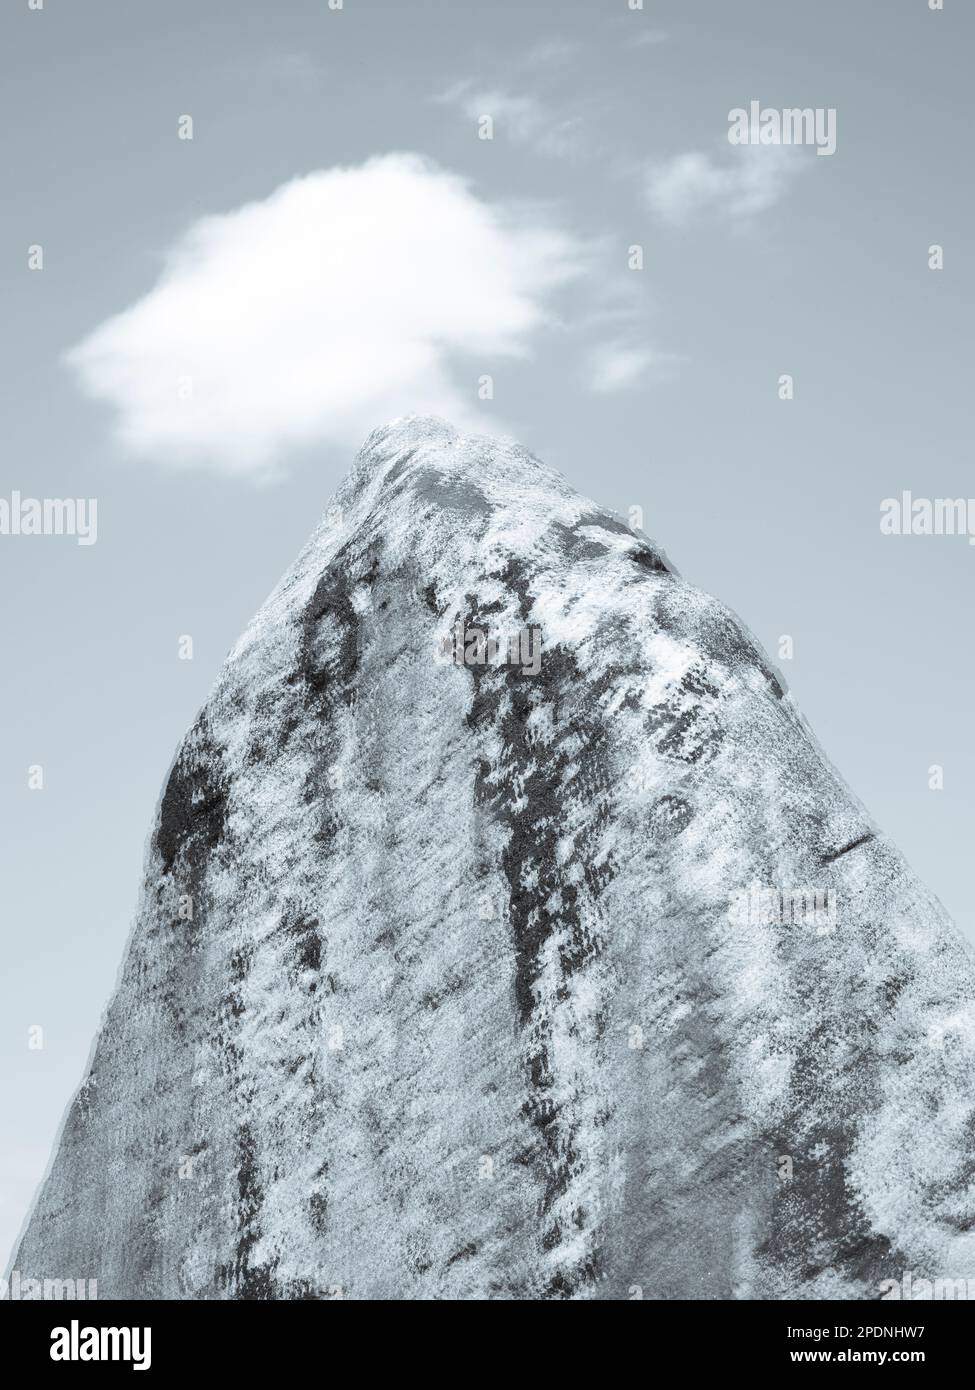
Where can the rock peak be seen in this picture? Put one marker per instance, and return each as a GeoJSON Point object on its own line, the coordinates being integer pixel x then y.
{"type": "Point", "coordinates": [462, 976]}
{"type": "Point", "coordinates": [422, 446]}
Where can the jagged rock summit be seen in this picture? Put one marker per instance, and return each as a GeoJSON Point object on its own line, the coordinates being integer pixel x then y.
{"type": "Point", "coordinates": [466, 978]}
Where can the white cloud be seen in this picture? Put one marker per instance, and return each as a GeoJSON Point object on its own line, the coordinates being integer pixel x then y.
{"type": "Point", "coordinates": [524, 120]}
{"type": "Point", "coordinates": [616, 366]}
{"type": "Point", "coordinates": [347, 297]}
{"type": "Point", "coordinates": [746, 181]}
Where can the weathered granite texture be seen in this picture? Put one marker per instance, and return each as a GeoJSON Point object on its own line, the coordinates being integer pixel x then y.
{"type": "Point", "coordinates": [468, 1005]}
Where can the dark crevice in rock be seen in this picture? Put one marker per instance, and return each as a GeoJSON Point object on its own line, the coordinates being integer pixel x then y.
{"type": "Point", "coordinates": [832, 857]}
{"type": "Point", "coordinates": [193, 812]}
{"type": "Point", "coordinates": [245, 1279]}
{"type": "Point", "coordinates": [818, 1207]}
{"type": "Point", "coordinates": [530, 792]}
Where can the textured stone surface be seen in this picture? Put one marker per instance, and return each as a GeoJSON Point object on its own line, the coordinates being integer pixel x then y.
{"type": "Point", "coordinates": [465, 1008]}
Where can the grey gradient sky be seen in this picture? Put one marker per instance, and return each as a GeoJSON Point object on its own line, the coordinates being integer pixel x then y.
{"type": "Point", "coordinates": [773, 506]}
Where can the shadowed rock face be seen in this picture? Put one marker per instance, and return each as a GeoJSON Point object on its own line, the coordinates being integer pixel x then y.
{"type": "Point", "coordinates": [453, 981]}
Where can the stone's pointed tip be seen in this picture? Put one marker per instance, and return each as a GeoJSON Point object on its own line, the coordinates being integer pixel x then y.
{"type": "Point", "coordinates": [389, 443]}
{"type": "Point", "coordinates": [409, 430]}
{"type": "Point", "coordinates": [416, 447]}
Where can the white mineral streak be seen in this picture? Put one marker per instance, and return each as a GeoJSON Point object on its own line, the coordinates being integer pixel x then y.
{"type": "Point", "coordinates": [463, 1010]}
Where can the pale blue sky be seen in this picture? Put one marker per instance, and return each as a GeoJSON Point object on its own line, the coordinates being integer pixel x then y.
{"type": "Point", "coordinates": [771, 505]}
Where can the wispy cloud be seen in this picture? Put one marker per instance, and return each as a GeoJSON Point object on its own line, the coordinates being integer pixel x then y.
{"type": "Point", "coordinates": [736, 186]}
{"type": "Point", "coordinates": [617, 366]}
{"type": "Point", "coordinates": [524, 120]}
{"type": "Point", "coordinates": [346, 297]}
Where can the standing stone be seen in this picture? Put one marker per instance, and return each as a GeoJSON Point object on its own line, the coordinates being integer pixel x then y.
{"type": "Point", "coordinates": [713, 1040]}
